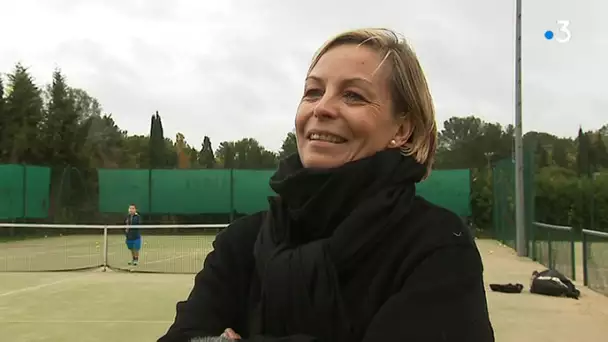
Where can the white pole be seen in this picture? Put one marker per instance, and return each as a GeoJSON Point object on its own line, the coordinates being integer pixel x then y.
{"type": "Point", "coordinates": [520, 229]}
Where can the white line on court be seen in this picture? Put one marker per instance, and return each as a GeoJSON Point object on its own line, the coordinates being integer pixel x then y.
{"type": "Point", "coordinates": [33, 288]}
{"type": "Point", "coordinates": [78, 321]}
{"type": "Point", "coordinates": [87, 255]}
{"type": "Point", "coordinates": [168, 259]}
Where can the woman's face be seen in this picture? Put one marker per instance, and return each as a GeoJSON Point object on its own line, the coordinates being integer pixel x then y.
{"type": "Point", "coordinates": [346, 112]}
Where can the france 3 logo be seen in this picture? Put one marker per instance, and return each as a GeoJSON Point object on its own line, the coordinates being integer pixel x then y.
{"type": "Point", "coordinates": [563, 33]}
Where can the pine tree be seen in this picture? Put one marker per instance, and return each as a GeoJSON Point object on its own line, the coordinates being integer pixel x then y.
{"type": "Point", "coordinates": [600, 153]}
{"type": "Point", "coordinates": [158, 148]}
{"type": "Point", "coordinates": [289, 146]}
{"type": "Point", "coordinates": [3, 119]}
{"type": "Point", "coordinates": [582, 158]}
{"type": "Point", "coordinates": [182, 150]}
{"type": "Point", "coordinates": [23, 112]}
{"type": "Point", "coordinates": [206, 158]}
{"type": "Point", "coordinates": [61, 125]}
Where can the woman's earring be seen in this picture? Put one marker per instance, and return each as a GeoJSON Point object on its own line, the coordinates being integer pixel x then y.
{"type": "Point", "coordinates": [393, 142]}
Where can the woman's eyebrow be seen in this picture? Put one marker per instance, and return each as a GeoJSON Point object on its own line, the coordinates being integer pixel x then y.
{"type": "Point", "coordinates": [351, 80]}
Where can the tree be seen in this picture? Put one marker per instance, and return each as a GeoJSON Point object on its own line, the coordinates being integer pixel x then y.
{"type": "Point", "coordinates": [226, 154]}
{"type": "Point", "coordinates": [158, 145]}
{"type": "Point", "coordinates": [85, 105]}
{"type": "Point", "coordinates": [600, 154]}
{"type": "Point", "coordinates": [470, 142]}
{"type": "Point", "coordinates": [23, 107]}
{"type": "Point", "coordinates": [137, 151]}
{"type": "Point", "coordinates": [290, 145]}
{"type": "Point", "coordinates": [582, 159]}
{"type": "Point", "coordinates": [206, 158]}
{"type": "Point", "coordinates": [105, 144]}
{"type": "Point", "coordinates": [543, 159]}
{"type": "Point", "coordinates": [3, 117]}
{"type": "Point", "coordinates": [61, 125]}
{"type": "Point", "coordinates": [560, 151]}
{"type": "Point", "coordinates": [183, 157]}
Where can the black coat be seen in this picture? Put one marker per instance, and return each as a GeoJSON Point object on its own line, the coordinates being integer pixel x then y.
{"type": "Point", "coordinates": [349, 254]}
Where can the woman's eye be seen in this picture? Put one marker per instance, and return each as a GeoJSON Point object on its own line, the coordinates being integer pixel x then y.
{"type": "Point", "coordinates": [352, 96]}
{"type": "Point", "coordinates": [313, 93]}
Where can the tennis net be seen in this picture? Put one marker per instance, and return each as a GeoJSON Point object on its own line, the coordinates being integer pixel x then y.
{"type": "Point", "coordinates": [63, 247]}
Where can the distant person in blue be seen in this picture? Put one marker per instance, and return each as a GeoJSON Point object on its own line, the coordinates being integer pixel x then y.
{"type": "Point", "coordinates": [132, 234]}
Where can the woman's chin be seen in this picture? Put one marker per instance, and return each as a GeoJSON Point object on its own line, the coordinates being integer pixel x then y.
{"type": "Point", "coordinates": [318, 160]}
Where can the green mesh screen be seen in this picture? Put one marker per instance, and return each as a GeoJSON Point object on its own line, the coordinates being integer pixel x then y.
{"type": "Point", "coordinates": [450, 189]}
{"type": "Point", "coordinates": [503, 179]}
{"type": "Point", "coordinates": [244, 191]}
{"type": "Point", "coordinates": [119, 188]}
{"type": "Point", "coordinates": [251, 190]}
{"type": "Point", "coordinates": [24, 191]}
{"type": "Point", "coordinates": [190, 191]}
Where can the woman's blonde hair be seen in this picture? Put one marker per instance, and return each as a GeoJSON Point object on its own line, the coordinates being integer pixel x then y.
{"type": "Point", "coordinates": [410, 92]}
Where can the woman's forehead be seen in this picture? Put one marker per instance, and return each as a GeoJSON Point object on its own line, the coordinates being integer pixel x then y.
{"type": "Point", "coordinates": [350, 62]}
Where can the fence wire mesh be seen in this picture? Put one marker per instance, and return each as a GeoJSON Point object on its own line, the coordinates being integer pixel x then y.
{"type": "Point", "coordinates": [595, 260]}
{"type": "Point", "coordinates": [554, 247]}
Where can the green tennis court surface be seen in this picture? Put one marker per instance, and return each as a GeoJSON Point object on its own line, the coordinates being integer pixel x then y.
{"type": "Point", "coordinates": [88, 306]}
{"type": "Point", "coordinates": [124, 306]}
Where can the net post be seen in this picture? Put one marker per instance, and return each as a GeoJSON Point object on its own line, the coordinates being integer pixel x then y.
{"type": "Point", "coordinates": [105, 248]}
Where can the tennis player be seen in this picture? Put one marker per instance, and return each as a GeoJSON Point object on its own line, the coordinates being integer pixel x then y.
{"type": "Point", "coordinates": [132, 234]}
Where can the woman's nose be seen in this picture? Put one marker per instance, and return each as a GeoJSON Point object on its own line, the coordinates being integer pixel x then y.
{"type": "Point", "coordinates": [327, 107]}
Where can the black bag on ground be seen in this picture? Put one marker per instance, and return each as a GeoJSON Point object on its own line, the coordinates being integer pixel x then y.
{"type": "Point", "coordinates": [553, 283]}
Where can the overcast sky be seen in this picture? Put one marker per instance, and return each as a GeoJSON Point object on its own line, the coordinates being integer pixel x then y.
{"type": "Point", "coordinates": [233, 69]}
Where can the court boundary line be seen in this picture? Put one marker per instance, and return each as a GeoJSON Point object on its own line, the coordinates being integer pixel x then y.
{"type": "Point", "coordinates": [170, 258]}
{"type": "Point", "coordinates": [40, 286]}
{"type": "Point", "coordinates": [83, 321]}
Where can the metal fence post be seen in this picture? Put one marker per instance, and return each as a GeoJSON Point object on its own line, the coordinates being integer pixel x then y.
{"type": "Point", "coordinates": [533, 241]}
{"type": "Point", "coordinates": [232, 194]}
{"type": "Point", "coordinates": [572, 251]}
{"type": "Point", "coordinates": [550, 261]}
{"type": "Point", "coordinates": [585, 266]}
{"type": "Point", "coordinates": [105, 248]}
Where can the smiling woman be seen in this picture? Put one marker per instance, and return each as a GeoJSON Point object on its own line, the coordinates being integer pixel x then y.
{"type": "Point", "coordinates": [347, 251]}
{"type": "Point", "coordinates": [356, 102]}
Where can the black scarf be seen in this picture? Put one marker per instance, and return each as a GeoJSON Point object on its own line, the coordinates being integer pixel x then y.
{"type": "Point", "coordinates": [325, 222]}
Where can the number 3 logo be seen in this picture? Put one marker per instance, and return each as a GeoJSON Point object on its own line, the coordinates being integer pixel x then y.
{"type": "Point", "coordinates": [565, 30]}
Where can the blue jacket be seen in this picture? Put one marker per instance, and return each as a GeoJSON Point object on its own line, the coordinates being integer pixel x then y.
{"type": "Point", "coordinates": [133, 233]}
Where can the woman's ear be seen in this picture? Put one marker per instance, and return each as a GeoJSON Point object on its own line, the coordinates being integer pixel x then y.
{"type": "Point", "coordinates": [403, 133]}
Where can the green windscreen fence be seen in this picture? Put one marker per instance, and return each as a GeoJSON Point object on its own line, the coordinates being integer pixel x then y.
{"type": "Point", "coordinates": [251, 190]}
{"type": "Point", "coordinates": [503, 201]}
{"type": "Point", "coordinates": [243, 191]}
{"type": "Point", "coordinates": [24, 191]}
{"type": "Point", "coordinates": [120, 187]}
{"type": "Point", "coordinates": [450, 189]}
{"type": "Point", "coordinates": [190, 191]}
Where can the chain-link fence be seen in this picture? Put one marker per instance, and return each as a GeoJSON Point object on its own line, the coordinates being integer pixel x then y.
{"type": "Point", "coordinates": [563, 245]}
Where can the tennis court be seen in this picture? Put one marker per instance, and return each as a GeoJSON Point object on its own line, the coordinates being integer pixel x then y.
{"type": "Point", "coordinates": [117, 305]}
{"type": "Point", "coordinates": [164, 250]}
